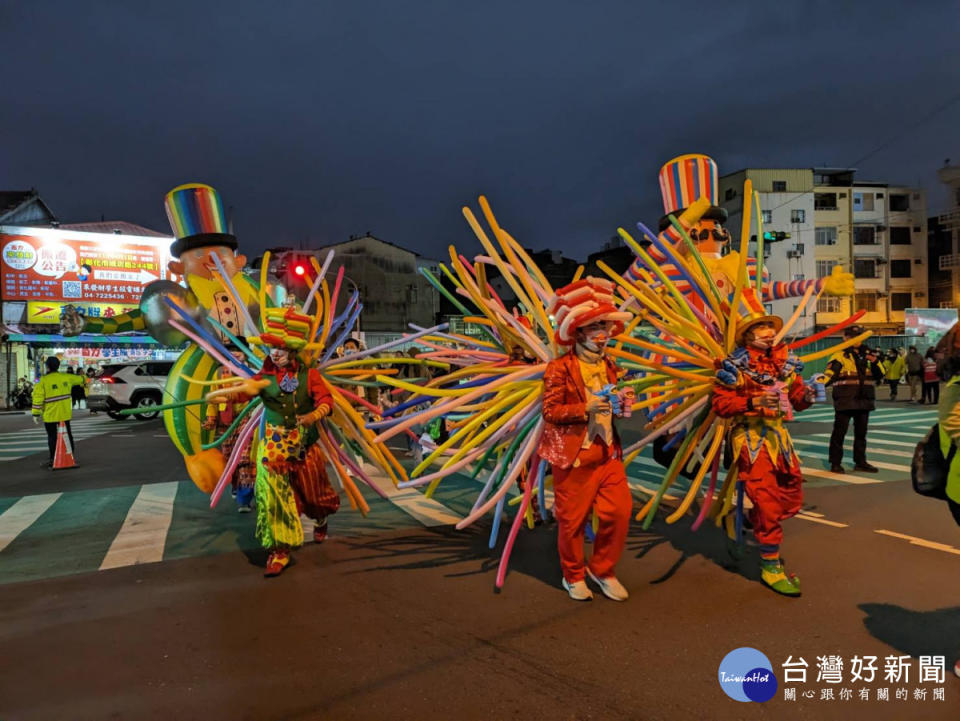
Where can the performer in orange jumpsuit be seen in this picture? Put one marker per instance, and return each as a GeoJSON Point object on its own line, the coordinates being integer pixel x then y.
{"type": "Point", "coordinates": [759, 386]}
{"type": "Point", "coordinates": [580, 441]}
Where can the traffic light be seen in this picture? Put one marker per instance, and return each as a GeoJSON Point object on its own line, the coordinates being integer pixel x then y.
{"type": "Point", "coordinates": [293, 272]}
{"type": "Point", "coordinates": [771, 236]}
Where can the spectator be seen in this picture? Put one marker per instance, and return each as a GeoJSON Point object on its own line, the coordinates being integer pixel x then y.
{"type": "Point", "coordinates": [51, 402]}
{"type": "Point", "coordinates": [91, 377]}
{"type": "Point", "coordinates": [931, 380]}
{"type": "Point", "coordinates": [894, 371]}
{"type": "Point", "coordinates": [914, 365]}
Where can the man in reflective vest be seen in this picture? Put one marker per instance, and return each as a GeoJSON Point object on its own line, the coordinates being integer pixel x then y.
{"type": "Point", "coordinates": [53, 403]}
{"type": "Point", "coordinates": [851, 374]}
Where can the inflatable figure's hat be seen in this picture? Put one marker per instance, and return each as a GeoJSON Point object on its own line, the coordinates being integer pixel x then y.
{"type": "Point", "coordinates": [686, 179]}
{"type": "Point", "coordinates": [196, 216]}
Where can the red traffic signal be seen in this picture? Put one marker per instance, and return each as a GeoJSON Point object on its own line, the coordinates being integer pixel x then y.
{"type": "Point", "coordinates": [299, 269]}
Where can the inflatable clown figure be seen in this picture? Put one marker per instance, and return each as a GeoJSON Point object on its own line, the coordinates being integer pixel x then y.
{"type": "Point", "coordinates": [689, 186]}
{"type": "Point", "coordinates": [758, 387]}
{"type": "Point", "coordinates": [580, 440]}
{"type": "Point", "coordinates": [204, 253]}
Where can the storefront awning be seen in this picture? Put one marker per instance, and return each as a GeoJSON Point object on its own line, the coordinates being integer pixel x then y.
{"type": "Point", "coordinates": [82, 339]}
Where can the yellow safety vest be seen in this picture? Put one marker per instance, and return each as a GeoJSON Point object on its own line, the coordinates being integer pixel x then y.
{"type": "Point", "coordinates": [52, 398]}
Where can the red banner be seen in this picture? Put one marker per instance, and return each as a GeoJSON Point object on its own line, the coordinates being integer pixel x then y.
{"type": "Point", "coordinates": [66, 266]}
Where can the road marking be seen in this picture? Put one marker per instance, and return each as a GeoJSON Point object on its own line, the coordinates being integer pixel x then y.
{"type": "Point", "coordinates": [914, 541]}
{"type": "Point", "coordinates": [121, 435]}
{"type": "Point", "coordinates": [144, 532]}
{"type": "Point", "coordinates": [426, 510]}
{"type": "Point", "coordinates": [816, 518]}
{"type": "Point", "coordinates": [875, 441]}
{"type": "Point", "coordinates": [21, 515]}
{"type": "Point", "coordinates": [882, 415]}
{"type": "Point", "coordinates": [849, 446]}
{"type": "Point", "coordinates": [878, 464]}
{"type": "Point", "coordinates": [842, 477]}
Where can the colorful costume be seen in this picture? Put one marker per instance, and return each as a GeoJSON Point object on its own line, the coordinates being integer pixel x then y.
{"type": "Point", "coordinates": [582, 446]}
{"type": "Point", "coordinates": [767, 464]}
{"type": "Point", "coordinates": [291, 474]}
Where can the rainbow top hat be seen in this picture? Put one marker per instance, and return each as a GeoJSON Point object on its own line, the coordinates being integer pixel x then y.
{"type": "Point", "coordinates": [196, 216]}
{"type": "Point", "coordinates": [285, 328]}
{"type": "Point", "coordinates": [755, 315]}
{"type": "Point", "coordinates": [686, 179]}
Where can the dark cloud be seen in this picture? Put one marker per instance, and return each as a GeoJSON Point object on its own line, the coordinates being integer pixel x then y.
{"type": "Point", "coordinates": [318, 120]}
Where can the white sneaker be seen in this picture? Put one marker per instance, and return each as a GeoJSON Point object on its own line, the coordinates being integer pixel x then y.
{"type": "Point", "coordinates": [578, 591]}
{"type": "Point", "coordinates": [611, 587]}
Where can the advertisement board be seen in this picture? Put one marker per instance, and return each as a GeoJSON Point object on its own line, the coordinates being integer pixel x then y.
{"type": "Point", "coordinates": [50, 311]}
{"type": "Point", "coordinates": [64, 266]}
{"type": "Point", "coordinates": [930, 323]}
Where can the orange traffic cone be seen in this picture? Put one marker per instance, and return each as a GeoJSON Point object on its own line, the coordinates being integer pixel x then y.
{"type": "Point", "coordinates": [63, 456]}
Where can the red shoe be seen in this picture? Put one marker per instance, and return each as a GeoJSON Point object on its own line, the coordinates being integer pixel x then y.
{"type": "Point", "coordinates": [320, 532]}
{"type": "Point", "coordinates": [276, 562]}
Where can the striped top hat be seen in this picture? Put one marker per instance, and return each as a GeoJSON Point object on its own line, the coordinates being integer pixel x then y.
{"type": "Point", "coordinates": [756, 314]}
{"type": "Point", "coordinates": [686, 179]}
{"type": "Point", "coordinates": [196, 216]}
{"type": "Point", "coordinates": [582, 303]}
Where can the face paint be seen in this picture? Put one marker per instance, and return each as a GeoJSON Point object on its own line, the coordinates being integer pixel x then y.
{"type": "Point", "coordinates": [762, 336]}
{"type": "Point", "coordinates": [280, 357]}
{"type": "Point", "coordinates": [595, 337]}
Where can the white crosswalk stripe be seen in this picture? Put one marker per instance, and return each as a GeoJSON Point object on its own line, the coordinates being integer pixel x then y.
{"type": "Point", "coordinates": [143, 535]}
{"type": "Point", "coordinates": [21, 515]}
{"type": "Point", "coordinates": [28, 441]}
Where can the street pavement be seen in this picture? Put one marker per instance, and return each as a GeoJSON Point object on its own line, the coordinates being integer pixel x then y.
{"type": "Point", "coordinates": [123, 595]}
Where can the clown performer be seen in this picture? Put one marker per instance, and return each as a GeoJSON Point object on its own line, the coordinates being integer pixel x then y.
{"type": "Point", "coordinates": [689, 186]}
{"type": "Point", "coordinates": [580, 440]}
{"type": "Point", "coordinates": [291, 475]}
{"type": "Point", "coordinates": [205, 254]}
{"type": "Point", "coordinates": [220, 419]}
{"type": "Point", "coordinates": [758, 386]}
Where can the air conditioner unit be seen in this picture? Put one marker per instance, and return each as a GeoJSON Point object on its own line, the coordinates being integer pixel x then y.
{"type": "Point", "coordinates": [881, 261]}
{"type": "Point", "coordinates": [918, 261]}
{"type": "Point", "coordinates": [881, 228]}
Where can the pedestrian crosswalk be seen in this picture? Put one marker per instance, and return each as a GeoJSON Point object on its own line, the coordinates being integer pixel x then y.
{"type": "Point", "coordinates": [55, 534]}
{"type": "Point", "coordinates": [28, 441]}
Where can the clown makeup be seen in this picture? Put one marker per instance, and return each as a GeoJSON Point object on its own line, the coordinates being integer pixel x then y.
{"type": "Point", "coordinates": [761, 335]}
{"type": "Point", "coordinates": [594, 337]}
{"type": "Point", "coordinates": [280, 357]}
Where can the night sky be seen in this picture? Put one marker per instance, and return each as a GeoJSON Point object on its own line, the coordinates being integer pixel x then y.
{"type": "Point", "coordinates": [318, 120]}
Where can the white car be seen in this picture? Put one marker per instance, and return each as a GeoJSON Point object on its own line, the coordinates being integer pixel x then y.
{"type": "Point", "coordinates": [129, 385]}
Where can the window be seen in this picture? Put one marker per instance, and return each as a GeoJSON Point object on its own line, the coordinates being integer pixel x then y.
{"type": "Point", "coordinates": [779, 186]}
{"type": "Point", "coordinates": [829, 304]}
{"type": "Point", "coordinates": [864, 268]}
{"type": "Point", "coordinates": [899, 203]}
{"type": "Point", "coordinates": [899, 235]}
{"type": "Point", "coordinates": [767, 216]}
{"type": "Point", "coordinates": [947, 304]}
{"type": "Point", "coordinates": [900, 301]}
{"type": "Point", "coordinates": [863, 201]}
{"type": "Point", "coordinates": [825, 267]}
{"type": "Point", "coordinates": [799, 276]}
{"type": "Point", "coordinates": [824, 201]}
{"type": "Point", "coordinates": [865, 301]}
{"type": "Point", "coordinates": [900, 269]}
{"type": "Point", "coordinates": [864, 235]}
{"type": "Point", "coordinates": [730, 194]}
{"type": "Point", "coordinates": [798, 216]}
{"type": "Point", "coordinates": [826, 236]}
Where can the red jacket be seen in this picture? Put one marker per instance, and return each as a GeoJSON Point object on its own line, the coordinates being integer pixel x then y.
{"type": "Point", "coordinates": [565, 410]}
{"type": "Point", "coordinates": [729, 402]}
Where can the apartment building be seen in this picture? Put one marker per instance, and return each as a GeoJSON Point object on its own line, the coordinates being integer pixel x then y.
{"type": "Point", "coordinates": [943, 245]}
{"type": "Point", "coordinates": [876, 230]}
{"type": "Point", "coordinates": [786, 205]}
